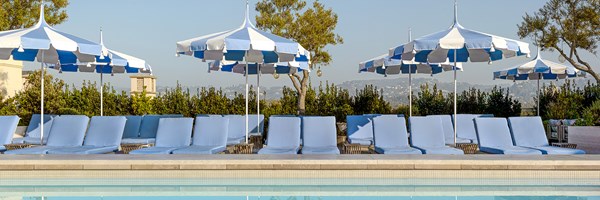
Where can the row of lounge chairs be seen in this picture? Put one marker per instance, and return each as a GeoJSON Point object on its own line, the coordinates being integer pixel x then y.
{"type": "Point", "coordinates": [172, 134]}
{"type": "Point", "coordinates": [435, 134]}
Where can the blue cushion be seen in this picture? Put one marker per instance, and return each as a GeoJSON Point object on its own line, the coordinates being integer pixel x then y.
{"type": "Point", "coordinates": [8, 127]}
{"type": "Point", "coordinates": [138, 140]}
{"type": "Point", "coordinates": [359, 129]}
{"type": "Point", "coordinates": [448, 128]}
{"type": "Point", "coordinates": [463, 140]}
{"type": "Point", "coordinates": [32, 150]}
{"type": "Point", "coordinates": [33, 136]}
{"type": "Point", "coordinates": [528, 131]}
{"type": "Point", "coordinates": [236, 128]}
{"type": "Point", "coordinates": [234, 141]}
{"type": "Point", "coordinates": [278, 150]}
{"type": "Point", "coordinates": [35, 121]}
{"type": "Point", "coordinates": [195, 149]}
{"type": "Point", "coordinates": [426, 132]}
{"type": "Point", "coordinates": [398, 150]}
{"type": "Point", "coordinates": [558, 150]}
{"type": "Point", "coordinates": [318, 132]}
{"type": "Point", "coordinates": [254, 127]}
{"type": "Point", "coordinates": [321, 150]}
{"type": "Point", "coordinates": [284, 132]}
{"type": "Point", "coordinates": [68, 130]}
{"type": "Point", "coordinates": [105, 131]}
{"type": "Point", "coordinates": [149, 124]}
{"type": "Point", "coordinates": [445, 150]}
{"type": "Point", "coordinates": [132, 126]}
{"type": "Point", "coordinates": [465, 126]}
{"type": "Point", "coordinates": [510, 150]}
{"type": "Point", "coordinates": [284, 136]}
{"type": "Point", "coordinates": [85, 150]}
{"type": "Point", "coordinates": [154, 150]}
{"type": "Point", "coordinates": [390, 132]}
{"type": "Point", "coordinates": [174, 132]}
{"type": "Point", "coordinates": [494, 137]}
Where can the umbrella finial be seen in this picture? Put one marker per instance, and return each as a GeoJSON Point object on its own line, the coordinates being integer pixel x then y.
{"type": "Point", "coordinates": [101, 38]}
{"type": "Point", "coordinates": [409, 34]}
{"type": "Point", "coordinates": [456, 24]}
{"type": "Point", "coordinates": [42, 18]}
{"type": "Point", "coordinates": [247, 21]}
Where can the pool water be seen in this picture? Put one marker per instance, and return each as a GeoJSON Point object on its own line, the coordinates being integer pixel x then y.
{"type": "Point", "coordinates": [299, 189]}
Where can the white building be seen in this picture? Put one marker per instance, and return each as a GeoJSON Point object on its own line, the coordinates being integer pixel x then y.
{"type": "Point", "coordinates": [11, 77]}
{"type": "Point", "coordinates": [138, 82]}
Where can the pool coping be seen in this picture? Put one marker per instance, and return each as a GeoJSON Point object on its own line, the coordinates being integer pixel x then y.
{"type": "Point", "coordinates": [289, 166]}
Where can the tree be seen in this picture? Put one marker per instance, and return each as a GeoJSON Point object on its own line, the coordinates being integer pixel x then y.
{"type": "Point", "coordinates": [576, 23]}
{"type": "Point", "coordinates": [312, 27]}
{"type": "Point", "coordinates": [16, 14]}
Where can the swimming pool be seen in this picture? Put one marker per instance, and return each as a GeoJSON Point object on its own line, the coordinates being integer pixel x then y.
{"type": "Point", "coordinates": [290, 189]}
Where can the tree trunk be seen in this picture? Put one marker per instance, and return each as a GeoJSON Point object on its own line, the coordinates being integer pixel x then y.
{"type": "Point", "coordinates": [302, 93]}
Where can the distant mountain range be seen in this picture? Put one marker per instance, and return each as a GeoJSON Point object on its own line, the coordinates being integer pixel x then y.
{"type": "Point", "coordinates": [396, 90]}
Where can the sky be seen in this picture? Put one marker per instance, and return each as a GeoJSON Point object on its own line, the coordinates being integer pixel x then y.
{"type": "Point", "coordinates": [149, 29]}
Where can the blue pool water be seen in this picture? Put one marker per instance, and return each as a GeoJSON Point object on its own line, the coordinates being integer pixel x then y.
{"type": "Point", "coordinates": [299, 189]}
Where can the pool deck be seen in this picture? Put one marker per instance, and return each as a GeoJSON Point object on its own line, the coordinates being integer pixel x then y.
{"type": "Point", "coordinates": [299, 166]}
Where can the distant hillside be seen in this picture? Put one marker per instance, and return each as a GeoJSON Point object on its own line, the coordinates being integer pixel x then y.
{"type": "Point", "coordinates": [396, 90]}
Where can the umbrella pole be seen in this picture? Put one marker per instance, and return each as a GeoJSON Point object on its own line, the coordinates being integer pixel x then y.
{"type": "Point", "coordinates": [409, 91]}
{"type": "Point", "coordinates": [42, 101]}
{"type": "Point", "coordinates": [246, 102]}
{"type": "Point", "coordinates": [454, 67]}
{"type": "Point", "coordinates": [538, 94]}
{"type": "Point", "coordinates": [101, 94]}
{"type": "Point", "coordinates": [258, 99]}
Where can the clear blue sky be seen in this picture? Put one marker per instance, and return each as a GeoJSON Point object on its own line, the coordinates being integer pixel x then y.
{"type": "Point", "coordinates": [149, 29]}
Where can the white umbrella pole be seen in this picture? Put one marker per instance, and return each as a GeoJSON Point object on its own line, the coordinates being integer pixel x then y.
{"type": "Point", "coordinates": [258, 99]}
{"type": "Point", "coordinates": [538, 94]}
{"type": "Point", "coordinates": [101, 95]}
{"type": "Point", "coordinates": [409, 91]}
{"type": "Point", "coordinates": [246, 102]}
{"type": "Point", "coordinates": [454, 67]}
{"type": "Point", "coordinates": [42, 102]}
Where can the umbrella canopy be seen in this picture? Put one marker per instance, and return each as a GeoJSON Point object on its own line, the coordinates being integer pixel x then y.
{"type": "Point", "coordinates": [459, 44]}
{"type": "Point", "coordinates": [539, 69]}
{"type": "Point", "coordinates": [268, 68]}
{"type": "Point", "coordinates": [247, 44]}
{"type": "Point", "coordinates": [385, 65]}
{"type": "Point", "coordinates": [45, 44]}
{"type": "Point", "coordinates": [109, 62]}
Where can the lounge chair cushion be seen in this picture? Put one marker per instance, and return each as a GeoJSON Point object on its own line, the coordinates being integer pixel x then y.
{"type": "Point", "coordinates": [194, 149]}
{"type": "Point", "coordinates": [8, 127]}
{"type": "Point", "coordinates": [512, 150]}
{"type": "Point", "coordinates": [391, 136]}
{"type": "Point", "coordinates": [85, 150]}
{"type": "Point", "coordinates": [558, 150]}
{"type": "Point", "coordinates": [426, 132]}
{"type": "Point", "coordinates": [33, 136]}
{"type": "Point", "coordinates": [278, 150]}
{"type": "Point", "coordinates": [441, 150]}
{"type": "Point", "coordinates": [105, 131]}
{"type": "Point", "coordinates": [359, 129]}
{"type": "Point", "coordinates": [321, 150]}
{"type": "Point", "coordinates": [35, 121]}
{"type": "Point", "coordinates": [254, 127]}
{"type": "Point", "coordinates": [528, 131]}
{"type": "Point", "coordinates": [32, 150]}
{"type": "Point", "coordinates": [149, 124]}
{"type": "Point", "coordinates": [234, 141]}
{"type": "Point", "coordinates": [154, 150]}
{"type": "Point", "coordinates": [465, 126]}
{"type": "Point", "coordinates": [174, 132]}
{"type": "Point", "coordinates": [138, 140]}
{"type": "Point", "coordinates": [319, 135]}
{"type": "Point", "coordinates": [132, 126]}
{"type": "Point", "coordinates": [236, 130]}
{"type": "Point", "coordinates": [68, 131]}
{"type": "Point", "coordinates": [210, 131]}
{"type": "Point", "coordinates": [284, 132]}
{"type": "Point", "coordinates": [398, 150]}
{"type": "Point", "coordinates": [448, 128]}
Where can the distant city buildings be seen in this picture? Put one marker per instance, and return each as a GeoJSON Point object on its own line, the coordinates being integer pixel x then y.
{"type": "Point", "coordinates": [11, 77]}
{"type": "Point", "coordinates": [143, 82]}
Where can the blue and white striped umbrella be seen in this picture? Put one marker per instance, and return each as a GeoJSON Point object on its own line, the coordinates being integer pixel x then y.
{"type": "Point", "coordinates": [109, 62]}
{"type": "Point", "coordinates": [385, 65]}
{"type": "Point", "coordinates": [47, 45]}
{"type": "Point", "coordinates": [539, 69]}
{"type": "Point", "coordinates": [245, 44]}
{"type": "Point", "coordinates": [268, 68]}
{"type": "Point", "coordinates": [458, 44]}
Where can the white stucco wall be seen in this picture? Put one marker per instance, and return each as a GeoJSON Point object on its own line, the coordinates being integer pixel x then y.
{"type": "Point", "coordinates": [11, 80]}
